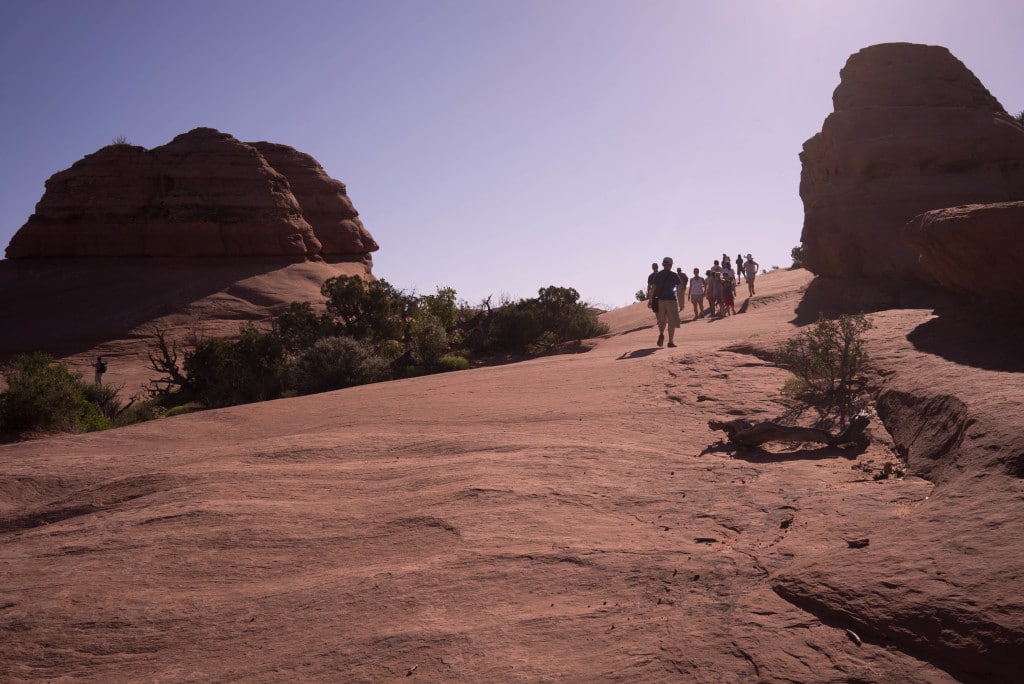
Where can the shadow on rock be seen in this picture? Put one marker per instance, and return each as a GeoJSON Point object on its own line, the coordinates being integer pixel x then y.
{"type": "Point", "coordinates": [988, 340]}
{"type": "Point", "coordinates": [637, 354]}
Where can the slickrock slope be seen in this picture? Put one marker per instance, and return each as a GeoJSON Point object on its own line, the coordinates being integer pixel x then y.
{"type": "Point", "coordinates": [568, 518]}
{"type": "Point", "coordinates": [912, 130]}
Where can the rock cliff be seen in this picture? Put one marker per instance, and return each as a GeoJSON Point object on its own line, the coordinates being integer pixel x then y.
{"type": "Point", "coordinates": [912, 130]}
{"type": "Point", "coordinates": [204, 194]}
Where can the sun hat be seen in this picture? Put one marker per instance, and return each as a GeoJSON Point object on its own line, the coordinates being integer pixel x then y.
{"type": "Point", "coordinates": [667, 261]}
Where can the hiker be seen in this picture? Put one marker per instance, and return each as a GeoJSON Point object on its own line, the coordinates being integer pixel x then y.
{"type": "Point", "coordinates": [715, 293]}
{"type": "Point", "coordinates": [751, 267]}
{"type": "Point", "coordinates": [681, 290]}
{"type": "Point", "coordinates": [729, 294]}
{"type": "Point", "coordinates": [739, 268]}
{"type": "Point", "coordinates": [665, 284]}
{"type": "Point", "coordinates": [709, 291]}
{"type": "Point", "coordinates": [100, 368]}
{"type": "Point", "coordinates": [727, 271]}
{"type": "Point", "coordinates": [650, 289]}
{"type": "Point", "coordinates": [697, 293]}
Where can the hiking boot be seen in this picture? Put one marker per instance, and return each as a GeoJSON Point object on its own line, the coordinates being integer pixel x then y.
{"type": "Point", "coordinates": [671, 344]}
{"type": "Point", "coordinates": [661, 340]}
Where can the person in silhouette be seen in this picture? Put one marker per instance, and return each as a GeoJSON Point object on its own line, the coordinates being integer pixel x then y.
{"type": "Point", "coordinates": [100, 367]}
{"type": "Point", "coordinates": [751, 267]}
{"type": "Point", "coordinates": [681, 290]}
{"type": "Point", "coordinates": [665, 284]}
{"type": "Point", "coordinates": [650, 289]}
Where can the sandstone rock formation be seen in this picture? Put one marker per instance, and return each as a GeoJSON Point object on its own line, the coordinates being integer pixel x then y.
{"type": "Point", "coordinates": [972, 248]}
{"type": "Point", "coordinates": [324, 201]}
{"type": "Point", "coordinates": [913, 130]}
{"type": "Point", "coordinates": [204, 194]}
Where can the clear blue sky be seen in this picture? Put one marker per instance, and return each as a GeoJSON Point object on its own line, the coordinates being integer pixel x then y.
{"type": "Point", "coordinates": [494, 146]}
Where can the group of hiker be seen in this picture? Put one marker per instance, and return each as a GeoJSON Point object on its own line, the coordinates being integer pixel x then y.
{"type": "Point", "coordinates": [668, 291]}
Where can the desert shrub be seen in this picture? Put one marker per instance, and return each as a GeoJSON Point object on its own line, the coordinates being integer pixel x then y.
{"type": "Point", "coordinates": [515, 326]}
{"type": "Point", "coordinates": [428, 340]}
{"type": "Point", "coordinates": [139, 412]}
{"type": "Point", "coordinates": [641, 295]}
{"type": "Point", "coordinates": [555, 316]}
{"type": "Point", "coordinates": [366, 310]}
{"type": "Point", "coordinates": [336, 362]}
{"type": "Point", "coordinates": [442, 306]}
{"type": "Point", "coordinates": [105, 397]}
{"type": "Point", "coordinates": [451, 362]}
{"type": "Point", "coordinates": [1020, 117]}
{"type": "Point", "coordinates": [299, 327]}
{"type": "Point", "coordinates": [45, 396]}
{"type": "Point", "coordinates": [182, 409]}
{"type": "Point", "coordinates": [223, 372]}
{"type": "Point", "coordinates": [827, 356]}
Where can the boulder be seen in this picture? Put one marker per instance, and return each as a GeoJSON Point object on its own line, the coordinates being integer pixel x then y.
{"type": "Point", "coordinates": [912, 130]}
{"type": "Point", "coordinates": [204, 194]}
{"type": "Point", "coordinates": [972, 248]}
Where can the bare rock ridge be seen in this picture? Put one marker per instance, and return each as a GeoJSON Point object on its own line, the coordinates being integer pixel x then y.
{"type": "Point", "coordinates": [204, 194]}
{"type": "Point", "coordinates": [913, 130]}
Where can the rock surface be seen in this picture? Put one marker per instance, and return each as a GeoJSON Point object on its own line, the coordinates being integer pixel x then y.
{"type": "Point", "coordinates": [912, 130]}
{"type": "Point", "coordinates": [570, 518]}
{"type": "Point", "coordinates": [204, 194]}
{"type": "Point", "coordinates": [324, 201]}
{"type": "Point", "coordinates": [973, 248]}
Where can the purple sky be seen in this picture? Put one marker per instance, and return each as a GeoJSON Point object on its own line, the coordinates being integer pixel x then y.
{"type": "Point", "coordinates": [493, 146]}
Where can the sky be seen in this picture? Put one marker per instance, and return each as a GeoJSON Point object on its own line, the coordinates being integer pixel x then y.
{"type": "Point", "coordinates": [493, 146]}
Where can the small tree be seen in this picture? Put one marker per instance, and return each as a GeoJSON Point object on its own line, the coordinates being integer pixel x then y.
{"type": "Point", "coordinates": [366, 311]}
{"type": "Point", "coordinates": [827, 357]}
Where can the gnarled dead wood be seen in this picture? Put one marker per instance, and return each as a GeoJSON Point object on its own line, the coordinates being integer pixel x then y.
{"type": "Point", "coordinates": [744, 433]}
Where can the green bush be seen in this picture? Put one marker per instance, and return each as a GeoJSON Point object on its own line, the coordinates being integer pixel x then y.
{"type": "Point", "coordinates": [555, 316]}
{"type": "Point", "coordinates": [336, 362]}
{"type": "Point", "coordinates": [298, 327]}
{"type": "Point", "coordinates": [223, 372]}
{"type": "Point", "coordinates": [428, 340]}
{"type": "Point", "coordinates": [46, 397]}
{"type": "Point", "coordinates": [452, 362]}
{"type": "Point", "coordinates": [826, 357]}
{"type": "Point", "coordinates": [366, 310]}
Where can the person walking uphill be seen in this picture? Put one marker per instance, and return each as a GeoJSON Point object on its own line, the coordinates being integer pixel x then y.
{"type": "Point", "coordinates": [650, 289]}
{"type": "Point", "coordinates": [665, 284]}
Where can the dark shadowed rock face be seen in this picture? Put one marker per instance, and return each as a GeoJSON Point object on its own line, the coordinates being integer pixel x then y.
{"type": "Point", "coordinates": [204, 194]}
{"type": "Point", "coordinates": [972, 248]}
{"type": "Point", "coordinates": [913, 130]}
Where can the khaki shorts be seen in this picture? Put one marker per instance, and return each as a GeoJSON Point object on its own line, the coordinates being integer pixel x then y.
{"type": "Point", "coordinates": [668, 313]}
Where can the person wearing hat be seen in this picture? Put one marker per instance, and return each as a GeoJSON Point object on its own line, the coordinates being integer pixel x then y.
{"type": "Point", "coordinates": [665, 284]}
{"type": "Point", "coordinates": [751, 268]}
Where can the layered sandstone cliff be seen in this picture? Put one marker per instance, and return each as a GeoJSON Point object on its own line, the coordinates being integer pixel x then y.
{"type": "Point", "coordinates": [204, 194]}
{"type": "Point", "coordinates": [913, 130]}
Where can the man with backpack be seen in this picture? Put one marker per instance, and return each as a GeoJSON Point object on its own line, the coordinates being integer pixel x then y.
{"type": "Point", "coordinates": [664, 299]}
{"type": "Point", "coordinates": [101, 367]}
